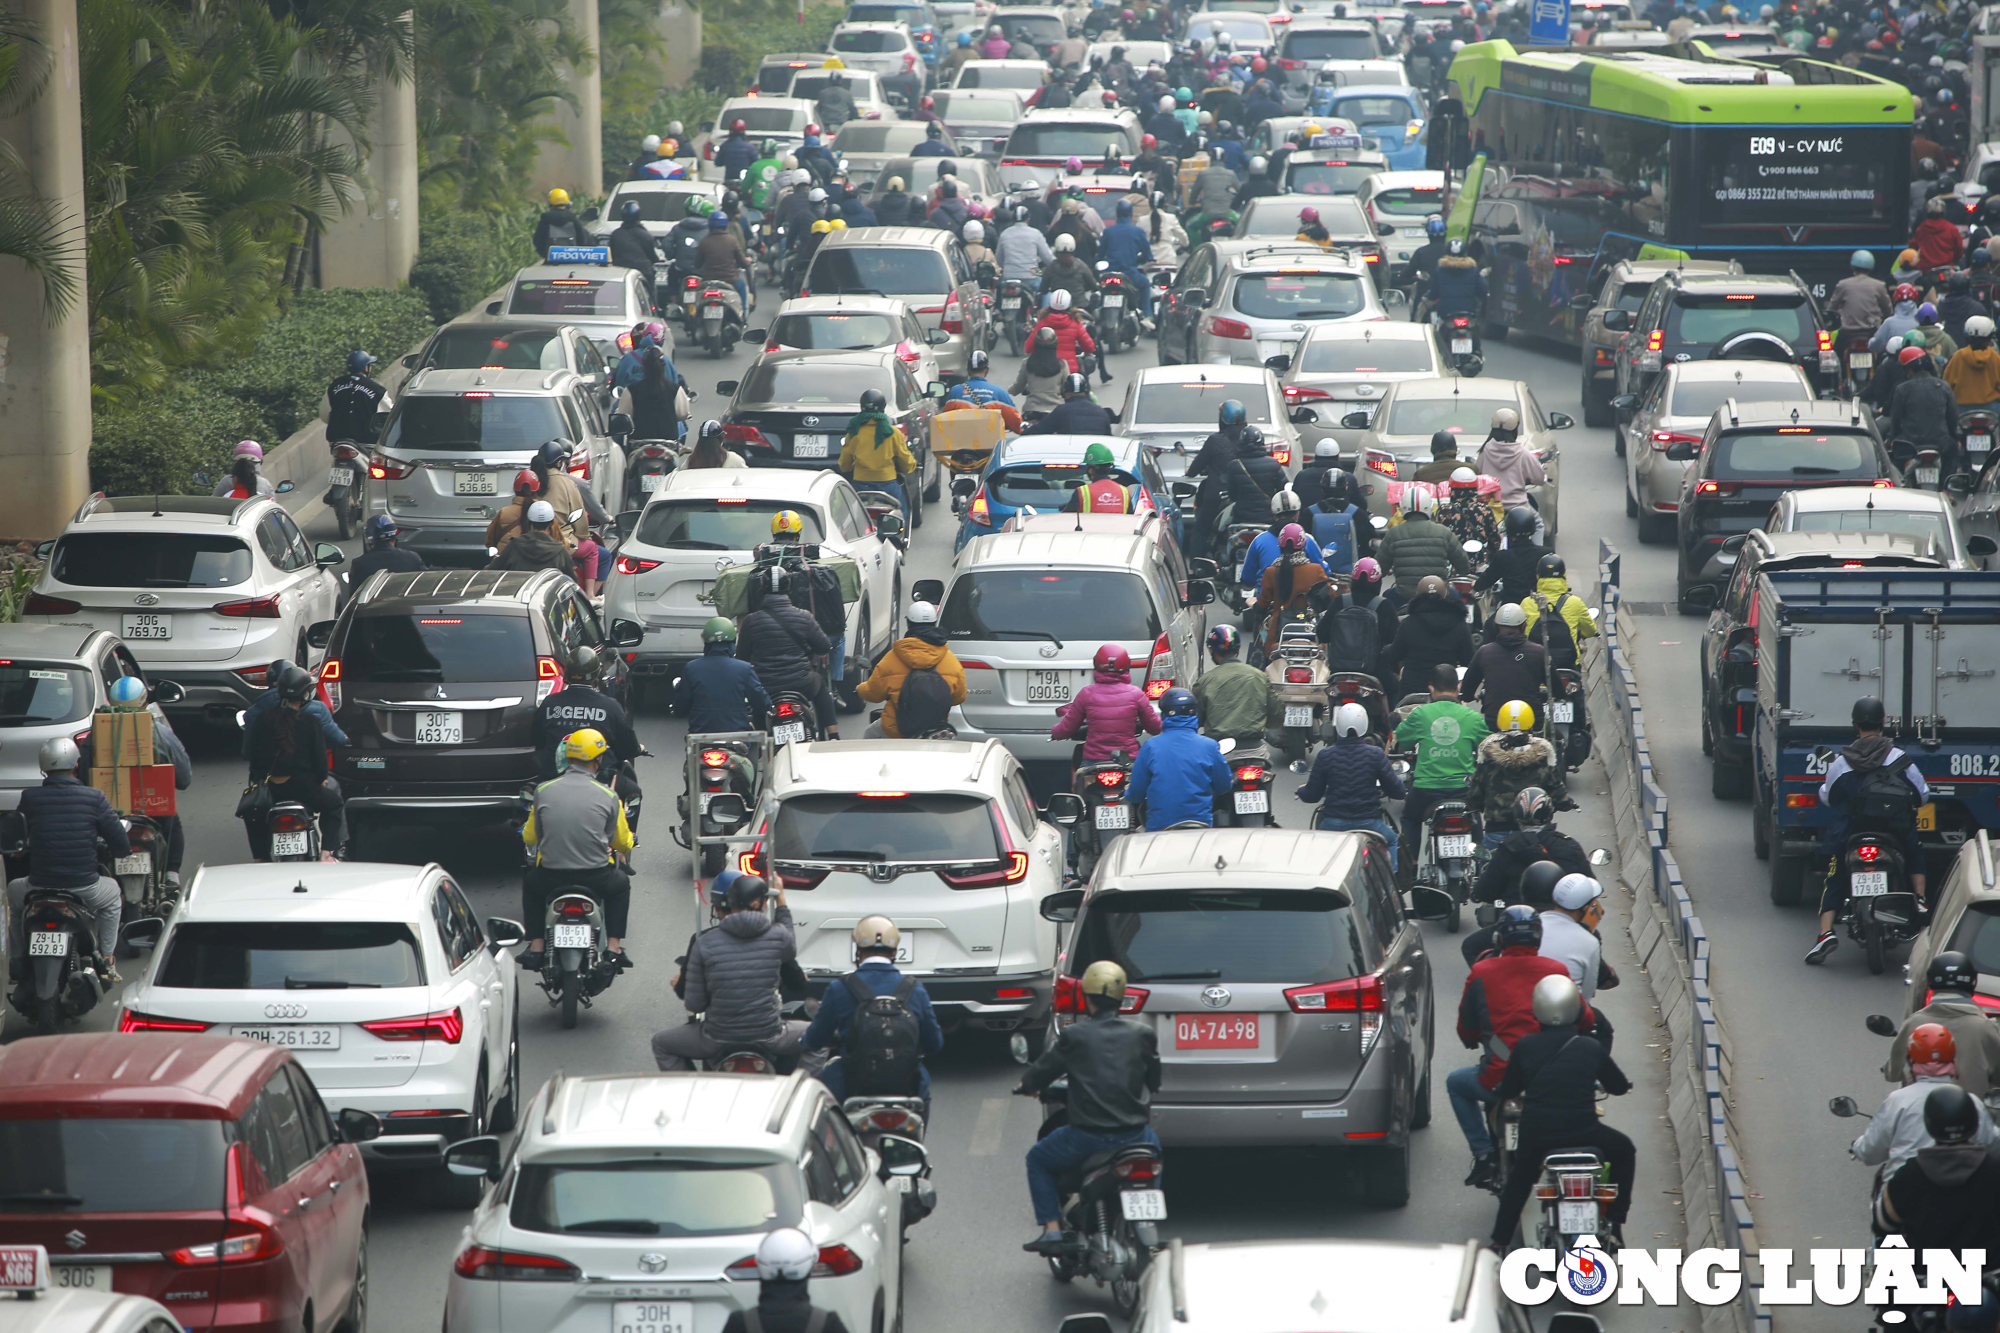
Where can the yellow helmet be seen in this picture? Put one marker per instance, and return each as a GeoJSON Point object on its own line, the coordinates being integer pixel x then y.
{"type": "Point", "coordinates": [668, 148]}
{"type": "Point", "coordinates": [1105, 978]}
{"type": "Point", "coordinates": [1516, 716]}
{"type": "Point", "coordinates": [586, 744]}
{"type": "Point", "coordinates": [1311, 128]}
{"type": "Point", "coordinates": [787, 522]}
{"type": "Point", "coordinates": [833, 62]}
{"type": "Point", "coordinates": [822, 227]}
{"type": "Point", "coordinates": [559, 198]}
{"type": "Point", "coordinates": [836, 225]}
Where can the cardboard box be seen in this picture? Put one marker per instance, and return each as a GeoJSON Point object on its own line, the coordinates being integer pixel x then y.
{"type": "Point", "coordinates": [1191, 167]}
{"type": "Point", "coordinates": [121, 738]}
{"type": "Point", "coordinates": [977, 428]}
{"type": "Point", "coordinates": [146, 789]}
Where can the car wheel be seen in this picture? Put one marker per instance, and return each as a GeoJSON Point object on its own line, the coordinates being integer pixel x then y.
{"type": "Point", "coordinates": [1788, 875]}
{"type": "Point", "coordinates": [509, 1108]}
{"type": "Point", "coordinates": [1385, 1177]}
{"type": "Point", "coordinates": [356, 1318]}
{"type": "Point", "coordinates": [461, 1192]}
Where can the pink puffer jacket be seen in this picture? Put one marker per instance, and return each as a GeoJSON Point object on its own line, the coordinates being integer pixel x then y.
{"type": "Point", "coordinates": [1116, 709]}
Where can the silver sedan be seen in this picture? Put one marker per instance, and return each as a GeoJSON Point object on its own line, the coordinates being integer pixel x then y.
{"type": "Point", "coordinates": [1396, 441]}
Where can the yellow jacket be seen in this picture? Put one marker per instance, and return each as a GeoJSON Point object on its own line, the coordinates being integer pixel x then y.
{"type": "Point", "coordinates": [907, 655]}
{"type": "Point", "coordinates": [867, 458]}
{"type": "Point", "coordinates": [1574, 611]}
{"type": "Point", "coordinates": [1974, 376]}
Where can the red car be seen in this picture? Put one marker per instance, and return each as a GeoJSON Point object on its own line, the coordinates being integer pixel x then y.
{"type": "Point", "coordinates": [202, 1171]}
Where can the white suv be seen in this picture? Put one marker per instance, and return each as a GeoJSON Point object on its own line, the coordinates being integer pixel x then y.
{"type": "Point", "coordinates": [637, 1201]}
{"type": "Point", "coordinates": [205, 591]}
{"type": "Point", "coordinates": [380, 981]}
{"type": "Point", "coordinates": [958, 856]}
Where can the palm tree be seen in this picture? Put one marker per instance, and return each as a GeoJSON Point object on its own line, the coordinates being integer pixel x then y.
{"type": "Point", "coordinates": [32, 229]}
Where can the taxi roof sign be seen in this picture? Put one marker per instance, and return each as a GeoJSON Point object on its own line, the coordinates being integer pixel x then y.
{"type": "Point", "coordinates": [579, 254]}
{"type": "Point", "coordinates": [24, 1270]}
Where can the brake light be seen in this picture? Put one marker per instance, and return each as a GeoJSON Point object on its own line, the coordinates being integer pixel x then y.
{"type": "Point", "coordinates": [1295, 394]}
{"type": "Point", "coordinates": [1068, 996]}
{"type": "Point", "coordinates": [137, 1022]}
{"type": "Point", "coordinates": [979, 511]}
{"type": "Point", "coordinates": [1219, 327]}
{"type": "Point", "coordinates": [252, 608]}
{"type": "Point", "coordinates": [1355, 994]}
{"type": "Point", "coordinates": [1665, 439]}
{"type": "Point", "coordinates": [1375, 256]}
{"type": "Point", "coordinates": [1298, 675]}
{"type": "Point", "coordinates": [548, 678]}
{"type": "Point", "coordinates": [1282, 455]}
{"type": "Point", "coordinates": [632, 564]}
{"type": "Point", "coordinates": [1138, 1170]}
{"type": "Point", "coordinates": [1110, 777]}
{"type": "Point", "coordinates": [1868, 851]}
{"type": "Point", "coordinates": [1452, 824]}
{"type": "Point", "coordinates": [40, 604]}
{"type": "Point", "coordinates": [715, 758]}
{"type": "Point", "coordinates": [329, 683]}
{"type": "Point", "coordinates": [291, 821]}
{"type": "Point", "coordinates": [749, 435]}
{"type": "Point", "coordinates": [1460, 322]}
{"type": "Point", "coordinates": [1825, 340]}
{"type": "Point", "coordinates": [1290, 64]}
{"type": "Point", "coordinates": [480, 1262]}
{"type": "Point", "coordinates": [388, 469]}
{"type": "Point", "coordinates": [446, 1027]}
{"type": "Point", "coordinates": [836, 1261]}
{"type": "Point", "coordinates": [788, 709]}
{"type": "Point", "coordinates": [1604, 357]}
{"type": "Point", "coordinates": [906, 352]}
{"type": "Point", "coordinates": [579, 464]}
{"type": "Point", "coordinates": [1656, 340]}
{"type": "Point", "coordinates": [1381, 461]}
{"type": "Point", "coordinates": [1882, 483]}
{"type": "Point", "coordinates": [1800, 800]}
{"type": "Point", "coordinates": [1162, 660]}
{"type": "Point", "coordinates": [1716, 488]}
{"type": "Point", "coordinates": [1134, 999]}
{"type": "Point", "coordinates": [1010, 871]}
{"type": "Point", "coordinates": [953, 318]}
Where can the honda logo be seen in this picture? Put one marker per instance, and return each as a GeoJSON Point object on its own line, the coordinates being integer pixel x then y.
{"type": "Point", "coordinates": [882, 874]}
{"type": "Point", "coordinates": [284, 1011]}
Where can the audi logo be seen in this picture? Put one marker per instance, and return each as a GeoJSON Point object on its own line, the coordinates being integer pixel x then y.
{"type": "Point", "coordinates": [284, 1011]}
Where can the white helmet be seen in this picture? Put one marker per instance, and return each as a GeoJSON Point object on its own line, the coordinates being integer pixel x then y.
{"type": "Point", "coordinates": [801, 176]}
{"type": "Point", "coordinates": [1979, 326]}
{"type": "Point", "coordinates": [1205, 119]}
{"type": "Point", "coordinates": [650, 144]}
{"type": "Point", "coordinates": [876, 932]}
{"type": "Point", "coordinates": [1510, 614]}
{"type": "Point", "coordinates": [974, 233]}
{"type": "Point", "coordinates": [1327, 448]}
{"type": "Point", "coordinates": [787, 1253]}
{"type": "Point", "coordinates": [1065, 244]}
{"type": "Point", "coordinates": [1350, 720]}
{"type": "Point", "coordinates": [1259, 165]}
{"type": "Point", "coordinates": [1285, 501]}
{"type": "Point", "coordinates": [1416, 500]}
{"type": "Point", "coordinates": [817, 195]}
{"type": "Point", "coordinates": [1557, 1002]}
{"type": "Point", "coordinates": [60, 755]}
{"type": "Point", "coordinates": [1506, 418]}
{"type": "Point", "coordinates": [674, 128]}
{"type": "Point", "coordinates": [789, 163]}
{"type": "Point", "coordinates": [1059, 299]}
{"type": "Point", "coordinates": [1166, 103]}
{"type": "Point", "coordinates": [923, 613]}
{"type": "Point", "coordinates": [1464, 476]}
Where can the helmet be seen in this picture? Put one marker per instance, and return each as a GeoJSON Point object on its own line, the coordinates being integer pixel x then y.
{"type": "Point", "coordinates": [1059, 299]}
{"type": "Point", "coordinates": [1097, 455]}
{"type": "Point", "coordinates": [1111, 658]}
{"type": "Point", "coordinates": [787, 523]}
{"type": "Point", "coordinates": [1185, 93]}
{"type": "Point", "coordinates": [923, 613]}
{"type": "Point", "coordinates": [380, 528]}
{"type": "Point", "coordinates": [737, 126]}
{"type": "Point", "coordinates": [1443, 444]}
{"type": "Point", "coordinates": [128, 690]}
{"type": "Point", "coordinates": [59, 755]}
{"type": "Point", "coordinates": [1931, 1044]}
{"type": "Point", "coordinates": [1904, 292]}
{"type": "Point", "coordinates": [817, 195]}
{"type": "Point", "coordinates": [630, 210]}
{"type": "Point", "coordinates": [1230, 414]}
{"type": "Point", "coordinates": [1177, 702]}
{"type": "Point", "coordinates": [1520, 521]}
{"type": "Point", "coordinates": [1045, 336]}
{"type": "Point", "coordinates": [1557, 1002]}
{"type": "Point", "coordinates": [249, 449]}
{"type": "Point", "coordinates": [1456, 246]}
{"type": "Point", "coordinates": [719, 629]}
{"type": "Point", "coordinates": [1105, 978]}
{"type": "Point", "coordinates": [296, 683]}
{"type": "Point", "coordinates": [586, 744]}
{"type": "Point", "coordinates": [745, 892]}
{"type": "Point", "coordinates": [1224, 641]}
{"type": "Point", "coordinates": [1350, 720]}
{"type": "Point", "coordinates": [1550, 566]}
{"type": "Point", "coordinates": [977, 363]}
{"type": "Point", "coordinates": [1286, 501]}
{"type": "Point", "coordinates": [1310, 128]}
{"type": "Point", "coordinates": [1538, 882]}
{"type": "Point", "coordinates": [1907, 259]}
{"type": "Point", "coordinates": [876, 932]}
{"type": "Point", "coordinates": [711, 432]}
{"type": "Point", "coordinates": [1074, 384]}
{"type": "Point", "coordinates": [1869, 715]}
{"type": "Point", "coordinates": [926, 102]}
{"type": "Point", "coordinates": [649, 144]}
{"type": "Point", "coordinates": [1259, 165]}
{"type": "Point", "coordinates": [1979, 326]}
{"type": "Point", "coordinates": [1366, 570]}
{"type": "Point", "coordinates": [786, 1254]}
{"type": "Point", "coordinates": [1252, 440]}
{"type": "Point", "coordinates": [540, 512]}
{"type": "Point", "coordinates": [527, 483]}
{"type": "Point", "coordinates": [1951, 970]}
{"type": "Point", "coordinates": [1326, 448]}
{"type": "Point", "coordinates": [1506, 422]}
{"type": "Point", "coordinates": [1308, 214]}
{"type": "Point", "coordinates": [1927, 313]}
{"type": "Point", "coordinates": [1416, 501]}
{"type": "Point", "coordinates": [1894, 344]}
{"type": "Point", "coordinates": [872, 400]}
{"type": "Point", "coordinates": [1950, 1114]}
{"type": "Point", "coordinates": [1166, 104]}
{"type": "Point", "coordinates": [1147, 141]}
{"type": "Point", "coordinates": [559, 198]}
{"type": "Point", "coordinates": [1292, 537]}
{"type": "Point", "coordinates": [1074, 163]}
{"type": "Point", "coordinates": [553, 454]}
{"type": "Point", "coordinates": [1910, 354]}
{"type": "Point", "coordinates": [1434, 225]}
{"type": "Point", "coordinates": [1519, 924]}
{"type": "Point", "coordinates": [1066, 243]}
{"type": "Point", "coordinates": [965, 38]}
{"type": "Point", "coordinates": [358, 361]}
{"type": "Point", "coordinates": [1464, 478]}
{"type": "Point", "coordinates": [1516, 714]}
{"type": "Point", "coordinates": [973, 232]}
{"type": "Point", "coordinates": [718, 221]}
{"type": "Point", "coordinates": [1533, 808]}
{"type": "Point", "coordinates": [822, 226]}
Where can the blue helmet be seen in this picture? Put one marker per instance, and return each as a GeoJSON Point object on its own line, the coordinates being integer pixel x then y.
{"type": "Point", "coordinates": [1231, 416]}
{"type": "Point", "coordinates": [1519, 924]}
{"type": "Point", "coordinates": [1124, 210]}
{"type": "Point", "coordinates": [1433, 225]}
{"type": "Point", "coordinates": [717, 221]}
{"type": "Point", "coordinates": [1224, 641]}
{"type": "Point", "coordinates": [128, 690]}
{"type": "Point", "coordinates": [358, 361]}
{"type": "Point", "coordinates": [965, 38]}
{"type": "Point", "coordinates": [630, 211]}
{"type": "Point", "coordinates": [380, 528]}
{"type": "Point", "coordinates": [1177, 702]}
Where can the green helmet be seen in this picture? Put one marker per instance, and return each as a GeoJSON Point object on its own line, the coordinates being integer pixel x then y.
{"type": "Point", "coordinates": [1914, 338]}
{"type": "Point", "coordinates": [769, 148]}
{"type": "Point", "coordinates": [1098, 455]}
{"type": "Point", "coordinates": [719, 629]}
{"type": "Point", "coordinates": [1184, 93]}
{"type": "Point", "coordinates": [699, 207]}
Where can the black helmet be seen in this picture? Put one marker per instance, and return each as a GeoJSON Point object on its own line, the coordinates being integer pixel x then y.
{"type": "Point", "coordinates": [711, 430]}
{"type": "Point", "coordinates": [1519, 924]}
{"type": "Point", "coordinates": [1550, 566]}
{"type": "Point", "coordinates": [935, 131]}
{"type": "Point", "coordinates": [631, 211]}
{"type": "Point", "coordinates": [1520, 521]}
{"type": "Point", "coordinates": [1074, 384]}
{"type": "Point", "coordinates": [1950, 1114]}
{"type": "Point", "coordinates": [1538, 881]}
{"type": "Point", "coordinates": [746, 891]}
{"type": "Point", "coordinates": [1951, 970]}
{"type": "Point", "coordinates": [1533, 808]}
{"type": "Point", "coordinates": [1251, 440]}
{"type": "Point", "coordinates": [1444, 444]}
{"type": "Point", "coordinates": [1959, 281]}
{"type": "Point", "coordinates": [587, 663]}
{"type": "Point", "coordinates": [296, 683]}
{"type": "Point", "coordinates": [977, 363]}
{"type": "Point", "coordinates": [873, 401]}
{"type": "Point", "coordinates": [1869, 715]}
{"type": "Point", "coordinates": [553, 455]}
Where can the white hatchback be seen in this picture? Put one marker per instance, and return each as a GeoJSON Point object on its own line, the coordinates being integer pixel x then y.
{"type": "Point", "coordinates": [379, 979]}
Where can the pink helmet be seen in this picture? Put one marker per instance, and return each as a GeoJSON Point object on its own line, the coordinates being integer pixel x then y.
{"type": "Point", "coordinates": [249, 449]}
{"type": "Point", "coordinates": [656, 329]}
{"type": "Point", "coordinates": [1309, 214]}
{"type": "Point", "coordinates": [1074, 164]}
{"type": "Point", "coordinates": [1367, 570]}
{"type": "Point", "coordinates": [975, 210]}
{"type": "Point", "coordinates": [1292, 537]}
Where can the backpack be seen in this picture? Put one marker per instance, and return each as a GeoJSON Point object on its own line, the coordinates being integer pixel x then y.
{"type": "Point", "coordinates": [1557, 637]}
{"type": "Point", "coordinates": [923, 704]}
{"type": "Point", "coordinates": [1334, 531]}
{"type": "Point", "coordinates": [1882, 801]}
{"type": "Point", "coordinates": [828, 609]}
{"type": "Point", "coordinates": [883, 1053]}
{"type": "Point", "coordinates": [1354, 641]}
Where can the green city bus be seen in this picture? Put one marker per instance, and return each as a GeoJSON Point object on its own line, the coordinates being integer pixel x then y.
{"type": "Point", "coordinates": [1592, 158]}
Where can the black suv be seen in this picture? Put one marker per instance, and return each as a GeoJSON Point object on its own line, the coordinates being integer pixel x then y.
{"type": "Point", "coordinates": [435, 677]}
{"type": "Point", "coordinates": [1751, 454]}
{"type": "Point", "coordinates": [1702, 316]}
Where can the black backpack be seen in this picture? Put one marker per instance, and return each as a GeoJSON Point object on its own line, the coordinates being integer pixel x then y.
{"type": "Point", "coordinates": [883, 1053]}
{"type": "Point", "coordinates": [1354, 640]}
{"type": "Point", "coordinates": [828, 609]}
{"type": "Point", "coordinates": [1553, 632]}
{"type": "Point", "coordinates": [923, 704]}
{"type": "Point", "coordinates": [1883, 801]}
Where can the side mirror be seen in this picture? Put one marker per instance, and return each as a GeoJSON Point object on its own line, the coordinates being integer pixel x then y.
{"type": "Point", "coordinates": [1103, 266]}
{"type": "Point", "coordinates": [890, 526]}
{"type": "Point", "coordinates": [143, 933]}
{"type": "Point", "coordinates": [935, 389]}
{"type": "Point", "coordinates": [727, 388]}
{"type": "Point", "coordinates": [1625, 402]}
{"type": "Point", "coordinates": [1732, 545]}
{"type": "Point", "coordinates": [1085, 1323]}
{"type": "Point", "coordinates": [168, 692]}
{"type": "Point", "coordinates": [1227, 745]}
{"type": "Point", "coordinates": [1306, 416]}
{"type": "Point", "coordinates": [284, 488]}
{"type": "Point", "coordinates": [1618, 321]}
{"type": "Point", "coordinates": [626, 522]}
{"type": "Point", "coordinates": [754, 335]}
{"type": "Point", "coordinates": [1278, 364]}
{"type": "Point", "coordinates": [1430, 904]}
{"type": "Point", "coordinates": [44, 549]}
{"type": "Point", "coordinates": [320, 633]}
{"type": "Point", "coordinates": [359, 1126]}
{"type": "Point", "coordinates": [901, 1156]}
{"type": "Point", "coordinates": [590, 214]}
{"type": "Point", "coordinates": [1473, 547]}
{"type": "Point", "coordinates": [1062, 907]}
{"type": "Point", "coordinates": [1582, 301]}
{"type": "Point", "coordinates": [1701, 597]}
{"type": "Point", "coordinates": [927, 590]}
{"type": "Point", "coordinates": [1017, 1046]}
{"type": "Point", "coordinates": [492, 307]}
{"type": "Point", "coordinates": [1201, 568]}
{"type": "Point", "coordinates": [1353, 421]}
{"type": "Point", "coordinates": [1843, 1107]}
{"type": "Point", "coordinates": [936, 337]}
{"type": "Point", "coordinates": [326, 555]}
{"type": "Point", "coordinates": [1981, 545]}
{"type": "Point", "coordinates": [1599, 857]}
{"type": "Point", "coordinates": [1385, 229]}
{"type": "Point", "coordinates": [621, 423]}
{"type": "Point", "coordinates": [1064, 808]}
{"type": "Point", "coordinates": [627, 634]}
{"type": "Point", "coordinates": [1200, 592]}
{"type": "Point", "coordinates": [1561, 421]}
{"type": "Point", "coordinates": [1880, 1024]}
{"type": "Point", "coordinates": [1680, 451]}
{"type": "Point", "coordinates": [1396, 298]}
{"type": "Point", "coordinates": [502, 933]}
{"type": "Point", "coordinates": [410, 361]}
{"type": "Point", "coordinates": [474, 1157]}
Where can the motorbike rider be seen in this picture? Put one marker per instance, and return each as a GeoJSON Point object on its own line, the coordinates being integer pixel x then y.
{"type": "Point", "coordinates": [1263, 551]}
{"type": "Point", "coordinates": [1948, 1197]}
{"type": "Point", "coordinates": [786, 1258]}
{"type": "Point", "coordinates": [576, 506]}
{"type": "Point", "coordinates": [1951, 979]}
{"type": "Point", "coordinates": [1495, 1011]}
{"type": "Point", "coordinates": [579, 703]}
{"type": "Point", "coordinates": [1323, 478]}
{"type": "Point", "coordinates": [1071, 222]}
{"type": "Point", "coordinates": [1022, 250]}
{"type": "Point", "coordinates": [1865, 788]}
{"type": "Point", "coordinates": [1259, 184]}
{"type": "Point", "coordinates": [129, 694]}
{"type": "Point", "coordinates": [1114, 710]}
{"type": "Point", "coordinates": [1113, 1068]}
{"type": "Point", "coordinates": [717, 691]}
{"type": "Point", "coordinates": [1556, 1070]}
{"type": "Point", "coordinates": [1533, 856]}
{"type": "Point", "coordinates": [835, 104]}
{"type": "Point", "coordinates": [557, 225]}
{"type": "Point", "coordinates": [1354, 777]}
{"type": "Point", "coordinates": [735, 154]}
{"type": "Point", "coordinates": [1515, 567]}
{"type": "Point", "coordinates": [976, 388]}
{"type": "Point", "coordinates": [1457, 286]}
{"type": "Point", "coordinates": [1569, 618]}
{"type": "Point", "coordinates": [1254, 479]}
{"type": "Point", "coordinates": [1901, 319]}
{"type": "Point", "coordinates": [1510, 462]}
{"type": "Point", "coordinates": [1974, 370]}
{"type": "Point", "coordinates": [1180, 774]}
{"type": "Point", "coordinates": [782, 640]}
{"type": "Point", "coordinates": [875, 456]}
{"type": "Point", "coordinates": [1936, 239]}
{"type": "Point", "coordinates": [876, 940]}
{"type": "Point", "coordinates": [1897, 1132]}
{"type": "Point", "coordinates": [1234, 701]}
{"type": "Point", "coordinates": [1423, 261]}
{"type": "Point", "coordinates": [1078, 415]}
{"type": "Point", "coordinates": [1419, 546]}
{"type": "Point", "coordinates": [1072, 334]}
{"type": "Point", "coordinates": [1164, 127]}
{"type": "Point", "coordinates": [1860, 301]}
{"type": "Point", "coordinates": [1468, 515]}
{"type": "Point", "coordinates": [577, 834]}
{"type": "Point", "coordinates": [1444, 735]}
{"type": "Point", "coordinates": [1125, 246]}
{"type": "Point", "coordinates": [246, 479]}
{"type": "Point", "coordinates": [65, 819]}
{"type": "Point", "coordinates": [633, 246]}
{"type": "Point", "coordinates": [1214, 189]}
{"type": "Point", "coordinates": [1292, 589]}
{"type": "Point", "coordinates": [352, 400]}
{"type": "Point", "coordinates": [1444, 459]}
{"type": "Point", "coordinates": [1569, 935]}
{"type": "Point", "coordinates": [922, 648]}
{"type": "Point", "coordinates": [288, 750]}
{"type": "Point", "coordinates": [1312, 229]}
{"type": "Point", "coordinates": [381, 553]}
{"type": "Point", "coordinates": [536, 546]}
{"type": "Point", "coordinates": [977, 255]}
{"type": "Point", "coordinates": [1924, 412]}
{"type": "Point", "coordinates": [731, 983]}
{"type": "Point", "coordinates": [1508, 666]}
{"type": "Point", "coordinates": [721, 258]}
{"type": "Point", "coordinates": [1212, 465]}
{"type": "Point", "coordinates": [649, 148]}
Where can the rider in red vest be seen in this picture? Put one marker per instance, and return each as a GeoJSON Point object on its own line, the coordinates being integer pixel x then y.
{"type": "Point", "coordinates": [1103, 493]}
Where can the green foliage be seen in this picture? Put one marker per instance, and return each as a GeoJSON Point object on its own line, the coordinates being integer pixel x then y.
{"type": "Point", "coordinates": [461, 257]}
{"type": "Point", "coordinates": [32, 230]}
{"type": "Point", "coordinates": [19, 571]}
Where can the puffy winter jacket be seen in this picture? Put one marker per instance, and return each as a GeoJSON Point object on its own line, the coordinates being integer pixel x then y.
{"type": "Point", "coordinates": [1955, 309]}
{"type": "Point", "coordinates": [1236, 700]}
{"type": "Point", "coordinates": [1263, 553]}
{"type": "Point", "coordinates": [1278, 608]}
{"type": "Point", "coordinates": [633, 247]}
{"type": "Point", "coordinates": [905, 656]}
{"type": "Point", "coordinates": [781, 639]}
{"type": "Point", "coordinates": [1514, 465]}
{"type": "Point", "coordinates": [1575, 617]}
{"type": "Point", "coordinates": [716, 692]}
{"type": "Point", "coordinates": [1504, 769]}
{"type": "Point", "coordinates": [1497, 1009]}
{"type": "Point", "coordinates": [65, 820]}
{"type": "Point", "coordinates": [1509, 668]}
{"type": "Point", "coordinates": [1433, 633]}
{"type": "Point", "coordinates": [1895, 326]}
{"type": "Point", "coordinates": [1353, 777]}
{"type": "Point", "coordinates": [1178, 775]}
{"type": "Point", "coordinates": [1419, 547]}
{"type": "Point", "coordinates": [732, 975]}
{"type": "Point", "coordinates": [1252, 482]}
{"type": "Point", "coordinates": [1974, 376]}
{"type": "Point", "coordinates": [1071, 335]}
{"type": "Point", "coordinates": [1937, 243]}
{"type": "Point", "coordinates": [1457, 287]}
{"type": "Point", "coordinates": [1925, 414]}
{"type": "Point", "coordinates": [1116, 710]}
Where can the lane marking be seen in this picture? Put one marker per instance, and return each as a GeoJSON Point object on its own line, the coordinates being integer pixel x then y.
{"type": "Point", "coordinates": [987, 1129]}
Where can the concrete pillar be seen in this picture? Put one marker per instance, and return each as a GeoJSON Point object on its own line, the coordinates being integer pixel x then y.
{"type": "Point", "coordinates": [374, 243]}
{"type": "Point", "coordinates": [44, 357]}
{"type": "Point", "coordinates": [578, 165]}
{"type": "Point", "coordinates": [680, 25]}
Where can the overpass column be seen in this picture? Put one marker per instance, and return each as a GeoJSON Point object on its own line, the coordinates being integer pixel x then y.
{"type": "Point", "coordinates": [375, 242]}
{"type": "Point", "coordinates": [578, 166]}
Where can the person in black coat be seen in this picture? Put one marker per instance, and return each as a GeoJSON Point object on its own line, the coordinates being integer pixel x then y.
{"type": "Point", "coordinates": [1513, 566]}
{"type": "Point", "coordinates": [382, 553]}
{"type": "Point", "coordinates": [288, 752]}
{"type": "Point", "coordinates": [653, 400]}
{"type": "Point", "coordinates": [1253, 478]}
{"type": "Point", "coordinates": [1433, 633]}
{"type": "Point", "coordinates": [65, 819]}
{"type": "Point", "coordinates": [784, 643]}
{"type": "Point", "coordinates": [1076, 414]}
{"type": "Point", "coordinates": [785, 1260]}
{"type": "Point", "coordinates": [632, 246]}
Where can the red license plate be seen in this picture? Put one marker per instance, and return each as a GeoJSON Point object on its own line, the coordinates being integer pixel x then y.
{"type": "Point", "coordinates": [1210, 1032]}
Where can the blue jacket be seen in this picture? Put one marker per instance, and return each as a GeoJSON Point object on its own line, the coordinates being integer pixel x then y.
{"type": "Point", "coordinates": [719, 692]}
{"type": "Point", "coordinates": [1264, 551]}
{"type": "Point", "coordinates": [1178, 774]}
{"type": "Point", "coordinates": [836, 1009]}
{"type": "Point", "coordinates": [1126, 246]}
{"type": "Point", "coordinates": [314, 709]}
{"type": "Point", "coordinates": [736, 154]}
{"type": "Point", "coordinates": [1233, 155]}
{"type": "Point", "coordinates": [65, 820]}
{"type": "Point", "coordinates": [1458, 288]}
{"type": "Point", "coordinates": [1353, 776]}
{"type": "Point", "coordinates": [1073, 416]}
{"type": "Point", "coordinates": [979, 390]}
{"type": "Point", "coordinates": [632, 364]}
{"type": "Point", "coordinates": [931, 148]}
{"type": "Point", "coordinates": [855, 213]}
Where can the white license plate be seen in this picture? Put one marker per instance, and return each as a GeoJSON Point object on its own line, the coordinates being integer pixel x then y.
{"type": "Point", "coordinates": [787, 732]}
{"type": "Point", "coordinates": [1513, 1135]}
{"type": "Point", "coordinates": [572, 936]}
{"type": "Point", "coordinates": [903, 953]}
{"type": "Point", "coordinates": [1869, 883]}
{"type": "Point", "coordinates": [48, 944]}
{"type": "Point", "coordinates": [1454, 846]}
{"type": "Point", "coordinates": [712, 312]}
{"type": "Point", "coordinates": [1253, 802]}
{"type": "Point", "coordinates": [340, 476]}
{"type": "Point", "coordinates": [652, 1317]}
{"type": "Point", "coordinates": [475, 483]}
{"type": "Point", "coordinates": [1114, 816]}
{"type": "Point", "coordinates": [1113, 302]}
{"type": "Point", "coordinates": [1978, 444]}
{"type": "Point", "coordinates": [80, 1277]}
{"type": "Point", "coordinates": [1298, 715]}
{"type": "Point", "coordinates": [1144, 1205]}
{"type": "Point", "coordinates": [1860, 360]}
{"type": "Point", "coordinates": [1048, 687]}
{"type": "Point", "coordinates": [138, 863]}
{"type": "Point", "coordinates": [292, 1037]}
{"type": "Point", "coordinates": [289, 844]}
{"type": "Point", "coordinates": [1562, 711]}
{"type": "Point", "coordinates": [652, 481]}
{"type": "Point", "coordinates": [1461, 346]}
{"type": "Point", "coordinates": [1010, 303]}
{"type": "Point", "coordinates": [145, 625]}
{"type": "Point", "coordinates": [440, 728]}
{"type": "Point", "coordinates": [1576, 1217]}
{"type": "Point", "coordinates": [810, 446]}
{"type": "Point", "coordinates": [1927, 476]}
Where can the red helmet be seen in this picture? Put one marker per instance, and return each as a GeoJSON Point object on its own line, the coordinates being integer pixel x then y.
{"type": "Point", "coordinates": [1932, 1044]}
{"type": "Point", "coordinates": [737, 127]}
{"type": "Point", "coordinates": [1148, 141]}
{"type": "Point", "coordinates": [1904, 292]}
{"type": "Point", "coordinates": [1257, 65]}
{"type": "Point", "coordinates": [812, 129]}
{"type": "Point", "coordinates": [1112, 658]}
{"type": "Point", "coordinates": [526, 482]}
{"type": "Point", "coordinates": [1909, 354]}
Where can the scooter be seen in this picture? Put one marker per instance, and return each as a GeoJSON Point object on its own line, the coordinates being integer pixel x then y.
{"type": "Point", "coordinates": [1358, 687]}
{"type": "Point", "coordinates": [646, 467]}
{"type": "Point", "coordinates": [873, 1119]}
{"type": "Point", "coordinates": [1101, 784]}
{"type": "Point", "coordinates": [577, 966]}
{"type": "Point", "coordinates": [1015, 304]}
{"type": "Point", "coordinates": [62, 981]}
{"type": "Point", "coordinates": [721, 321]}
{"type": "Point", "coordinates": [1881, 909]}
{"type": "Point", "coordinates": [1117, 318]}
{"type": "Point", "coordinates": [1568, 729]}
{"type": "Point", "coordinates": [1299, 676]}
{"type": "Point", "coordinates": [728, 778]}
{"type": "Point", "coordinates": [1449, 857]}
{"type": "Point", "coordinates": [793, 718]}
{"type": "Point", "coordinates": [294, 832]}
{"type": "Point", "coordinates": [1459, 342]}
{"type": "Point", "coordinates": [142, 874]}
{"type": "Point", "coordinates": [1250, 789]}
{"type": "Point", "coordinates": [1978, 428]}
{"type": "Point", "coordinates": [345, 494]}
{"type": "Point", "coordinates": [1571, 1194]}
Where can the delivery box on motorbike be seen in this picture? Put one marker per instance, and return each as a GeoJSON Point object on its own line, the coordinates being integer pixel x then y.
{"type": "Point", "coordinates": [979, 429]}
{"type": "Point", "coordinates": [731, 594]}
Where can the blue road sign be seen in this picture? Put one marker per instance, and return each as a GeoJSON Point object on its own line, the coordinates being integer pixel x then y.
{"type": "Point", "coordinates": [1548, 23]}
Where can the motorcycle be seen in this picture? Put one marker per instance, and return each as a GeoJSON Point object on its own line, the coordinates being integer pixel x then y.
{"type": "Point", "coordinates": [873, 1119]}
{"type": "Point", "coordinates": [294, 832]}
{"type": "Point", "coordinates": [1571, 1194]}
{"type": "Point", "coordinates": [1977, 430]}
{"type": "Point", "coordinates": [62, 981]}
{"type": "Point", "coordinates": [1926, 468]}
{"type": "Point", "coordinates": [721, 321]}
{"type": "Point", "coordinates": [646, 468]}
{"type": "Point", "coordinates": [1117, 311]}
{"type": "Point", "coordinates": [1299, 676]}
{"type": "Point", "coordinates": [142, 874]}
{"type": "Point", "coordinates": [688, 307]}
{"type": "Point", "coordinates": [1250, 789]}
{"type": "Point", "coordinates": [1458, 340]}
{"type": "Point", "coordinates": [1015, 307]}
{"type": "Point", "coordinates": [793, 718]}
{"type": "Point", "coordinates": [726, 770]}
{"type": "Point", "coordinates": [1881, 909]}
{"type": "Point", "coordinates": [345, 495]}
{"type": "Point", "coordinates": [1357, 687]}
{"type": "Point", "coordinates": [577, 965]}
{"type": "Point", "coordinates": [1101, 784]}
{"type": "Point", "coordinates": [1567, 729]}
{"type": "Point", "coordinates": [1236, 541]}
{"type": "Point", "coordinates": [1449, 856]}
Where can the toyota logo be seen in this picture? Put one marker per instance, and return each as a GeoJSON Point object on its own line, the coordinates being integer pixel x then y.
{"type": "Point", "coordinates": [1215, 997]}
{"type": "Point", "coordinates": [654, 1262]}
{"type": "Point", "coordinates": [147, 599]}
{"type": "Point", "coordinates": [1049, 650]}
{"type": "Point", "coordinates": [811, 421]}
{"type": "Point", "coordinates": [284, 1011]}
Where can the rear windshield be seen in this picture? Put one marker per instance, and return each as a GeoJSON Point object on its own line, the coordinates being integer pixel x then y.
{"type": "Point", "coordinates": [1700, 399]}
{"type": "Point", "coordinates": [1367, 111]}
{"type": "Point", "coordinates": [920, 173]}
{"type": "Point", "coordinates": [1199, 400]}
{"type": "Point", "coordinates": [1793, 453]}
{"type": "Point", "coordinates": [1244, 936]}
{"type": "Point", "coordinates": [567, 296]}
{"type": "Point", "coordinates": [1978, 936]}
{"type": "Point", "coordinates": [657, 1198]}
{"type": "Point", "coordinates": [1102, 200]}
{"type": "Point", "coordinates": [1412, 202]}
{"type": "Point", "coordinates": [1045, 486]}
{"type": "Point", "coordinates": [959, 106]}
{"type": "Point", "coordinates": [1914, 522]}
{"type": "Point", "coordinates": [888, 270]}
{"type": "Point", "coordinates": [809, 382]}
{"type": "Point", "coordinates": [1300, 295]}
{"type": "Point", "coordinates": [283, 955]}
{"type": "Point", "coordinates": [1247, 29]}
{"type": "Point", "coordinates": [835, 332]}
{"type": "Point", "coordinates": [654, 205]}
{"type": "Point", "coordinates": [468, 347]}
{"type": "Point", "coordinates": [897, 826]}
{"type": "Point", "coordinates": [866, 42]}
{"type": "Point", "coordinates": [773, 80]}
{"type": "Point", "coordinates": [87, 1165]}
{"type": "Point", "coordinates": [1322, 178]}
{"type": "Point", "coordinates": [1000, 76]}
{"type": "Point", "coordinates": [1035, 27]}
{"type": "Point", "coordinates": [773, 119]}
{"type": "Point", "coordinates": [1325, 45]}
{"type": "Point", "coordinates": [1365, 356]}
{"type": "Point", "coordinates": [1710, 321]}
{"type": "Point", "coordinates": [811, 84]}
{"type": "Point", "coordinates": [471, 425]}
{"type": "Point", "coordinates": [717, 525]}
{"type": "Point", "coordinates": [39, 694]}
{"type": "Point", "coordinates": [405, 646]}
{"type": "Point", "coordinates": [150, 560]}
{"type": "Point", "coordinates": [1282, 219]}
{"type": "Point", "coordinates": [878, 138]}
{"type": "Point", "coordinates": [1055, 139]}
{"type": "Point", "coordinates": [1461, 415]}
{"type": "Point", "coordinates": [1075, 605]}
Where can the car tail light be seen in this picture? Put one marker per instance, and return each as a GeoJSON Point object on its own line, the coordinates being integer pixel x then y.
{"type": "Point", "coordinates": [1603, 357]}
{"type": "Point", "coordinates": [1068, 996]}
{"type": "Point", "coordinates": [250, 608]}
{"type": "Point", "coordinates": [329, 682]}
{"type": "Point", "coordinates": [1134, 999]}
{"type": "Point", "coordinates": [388, 469]}
{"type": "Point", "coordinates": [244, 1241]}
{"type": "Point", "coordinates": [1868, 851]}
{"type": "Point", "coordinates": [1381, 461]}
{"type": "Point", "coordinates": [1355, 994]}
{"type": "Point", "coordinates": [258, 676]}
{"type": "Point", "coordinates": [1110, 777]}
{"type": "Point", "coordinates": [743, 1270]}
{"type": "Point", "coordinates": [1825, 340]}
{"type": "Point", "coordinates": [1663, 440]}
{"type": "Point", "coordinates": [632, 564]}
{"type": "Point", "coordinates": [1578, 1184]}
{"type": "Point", "coordinates": [1013, 993]}
{"type": "Point", "coordinates": [708, 151]}
{"type": "Point", "coordinates": [800, 879]}
{"type": "Point", "coordinates": [906, 352]}
{"type": "Point", "coordinates": [1800, 800]}
{"type": "Point", "coordinates": [1138, 1170]}
{"type": "Point", "coordinates": [1656, 340]}
{"type": "Point", "coordinates": [1010, 871]}
{"type": "Point", "coordinates": [137, 1022]}
{"type": "Point", "coordinates": [1298, 675]}
{"type": "Point", "coordinates": [1250, 774]}
{"type": "Point", "coordinates": [979, 511]}
{"type": "Point", "coordinates": [41, 604]}
{"type": "Point", "coordinates": [1375, 256]}
{"type": "Point", "coordinates": [1282, 455]}
{"type": "Point", "coordinates": [548, 678]}
{"type": "Point", "coordinates": [1160, 668]}
{"type": "Point", "coordinates": [953, 318]}
{"type": "Point", "coordinates": [446, 1027]}
{"type": "Point", "coordinates": [1716, 488]}
{"type": "Point", "coordinates": [1290, 64]}
{"type": "Point", "coordinates": [1295, 394]}
{"type": "Point", "coordinates": [479, 1261]}
{"type": "Point", "coordinates": [579, 465]}
{"type": "Point", "coordinates": [749, 435]}
{"type": "Point", "coordinates": [909, 61]}
{"type": "Point", "coordinates": [1218, 326]}
{"type": "Point", "coordinates": [836, 1261]}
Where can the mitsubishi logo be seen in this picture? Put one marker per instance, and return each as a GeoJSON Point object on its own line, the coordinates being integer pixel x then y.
{"type": "Point", "coordinates": [437, 691]}
{"type": "Point", "coordinates": [1796, 234]}
{"type": "Point", "coordinates": [146, 599]}
{"type": "Point", "coordinates": [75, 1240]}
{"type": "Point", "coordinates": [1215, 997]}
{"type": "Point", "coordinates": [653, 1262]}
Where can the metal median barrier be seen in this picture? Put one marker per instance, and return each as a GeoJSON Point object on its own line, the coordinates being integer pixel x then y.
{"type": "Point", "coordinates": [1673, 948]}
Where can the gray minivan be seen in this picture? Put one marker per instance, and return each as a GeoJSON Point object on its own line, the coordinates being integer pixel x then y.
{"type": "Point", "coordinates": [921, 266]}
